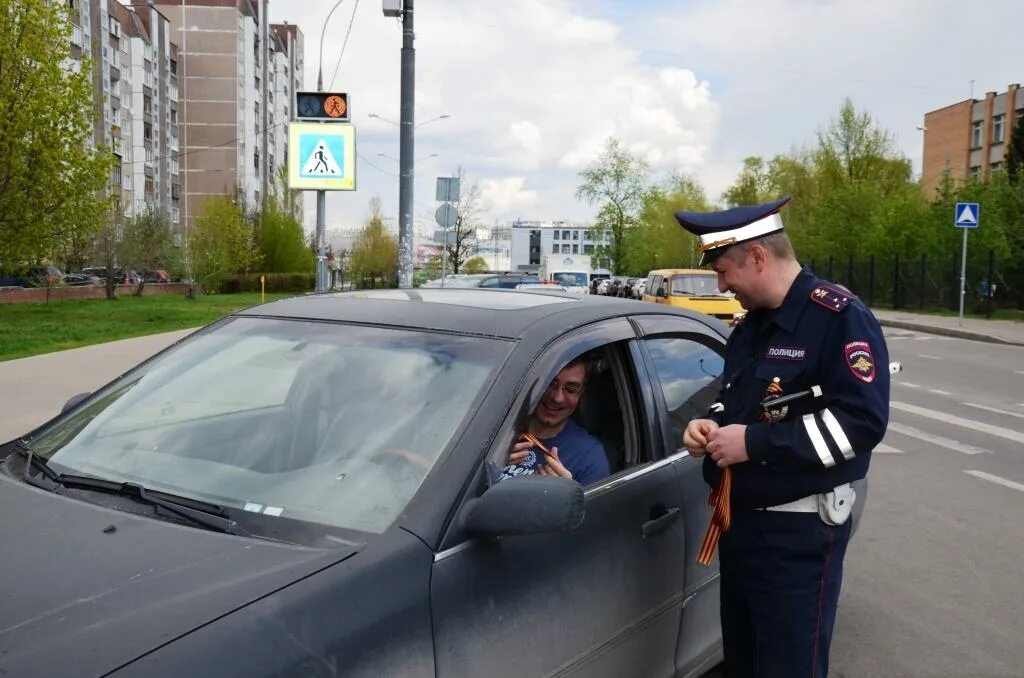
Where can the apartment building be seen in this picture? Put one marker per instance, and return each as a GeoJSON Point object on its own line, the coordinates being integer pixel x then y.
{"type": "Point", "coordinates": [228, 96]}
{"type": "Point", "coordinates": [970, 139]}
{"type": "Point", "coordinates": [134, 99]}
{"type": "Point", "coordinates": [285, 79]}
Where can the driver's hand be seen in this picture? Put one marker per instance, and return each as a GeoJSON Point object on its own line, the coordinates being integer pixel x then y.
{"type": "Point", "coordinates": [553, 466]}
{"type": "Point", "coordinates": [519, 452]}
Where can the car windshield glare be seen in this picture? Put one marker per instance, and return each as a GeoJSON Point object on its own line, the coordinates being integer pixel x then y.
{"type": "Point", "coordinates": [324, 423]}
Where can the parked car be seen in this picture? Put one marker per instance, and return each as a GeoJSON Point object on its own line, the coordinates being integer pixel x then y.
{"type": "Point", "coordinates": [504, 281]}
{"type": "Point", "coordinates": [81, 280]}
{"type": "Point", "coordinates": [310, 487]}
{"type": "Point", "coordinates": [155, 276]}
{"type": "Point", "coordinates": [122, 276]}
{"type": "Point", "coordinates": [34, 276]}
{"type": "Point", "coordinates": [695, 289]}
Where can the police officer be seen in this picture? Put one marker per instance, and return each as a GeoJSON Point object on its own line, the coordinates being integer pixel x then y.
{"type": "Point", "coordinates": [781, 474]}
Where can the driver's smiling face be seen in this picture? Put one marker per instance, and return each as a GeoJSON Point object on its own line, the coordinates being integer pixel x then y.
{"type": "Point", "coordinates": [562, 396]}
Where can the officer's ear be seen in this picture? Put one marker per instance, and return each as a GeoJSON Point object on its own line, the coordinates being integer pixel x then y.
{"type": "Point", "coordinates": [759, 255]}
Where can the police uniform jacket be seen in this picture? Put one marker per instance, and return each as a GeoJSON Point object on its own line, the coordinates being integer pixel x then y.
{"type": "Point", "coordinates": [821, 336]}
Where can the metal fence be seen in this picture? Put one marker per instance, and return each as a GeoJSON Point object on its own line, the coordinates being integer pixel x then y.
{"type": "Point", "coordinates": [923, 282]}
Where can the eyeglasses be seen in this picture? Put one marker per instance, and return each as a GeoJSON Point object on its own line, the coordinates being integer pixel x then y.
{"type": "Point", "coordinates": [571, 389]}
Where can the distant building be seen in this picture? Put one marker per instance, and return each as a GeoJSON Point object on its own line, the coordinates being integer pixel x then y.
{"type": "Point", "coordinates": [531, 240]}
{"type": "Point", "coordinates": [135, 99]}
{"type": "Point", "coordinates": [969, 139]}
{"type": "Point", "coordinates": [239, 74]}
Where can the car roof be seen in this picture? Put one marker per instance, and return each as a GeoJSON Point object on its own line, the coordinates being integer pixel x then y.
{"type": "Point", "coordinates": [485, 312]}
{"type": "Point", "coordinates": [676, 271]}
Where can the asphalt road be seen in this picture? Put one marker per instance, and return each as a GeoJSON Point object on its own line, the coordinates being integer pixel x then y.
{"type": "Point", "coordinates": [933, 577]}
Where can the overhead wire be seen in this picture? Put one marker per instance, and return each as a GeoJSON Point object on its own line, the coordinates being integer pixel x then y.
{"type": "Point", "coordinates": [344, 44]}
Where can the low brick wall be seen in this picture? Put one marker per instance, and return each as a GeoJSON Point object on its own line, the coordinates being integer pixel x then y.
{"type": "Point", "coordinates": [15, 295]}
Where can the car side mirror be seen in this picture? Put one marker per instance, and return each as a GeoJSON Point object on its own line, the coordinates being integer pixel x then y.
{"type": "Point", "coordinates": [661, 293]}
{"type": "Point", "coordinates": [73, 401]}
{"type": "Point", "coordinates": [526, 505]}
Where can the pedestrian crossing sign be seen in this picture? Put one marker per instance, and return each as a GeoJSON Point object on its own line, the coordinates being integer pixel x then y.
{"type": "Point", "coordinates": [322, 156]}
{"type": "Point", "coordinates": [966, 215]}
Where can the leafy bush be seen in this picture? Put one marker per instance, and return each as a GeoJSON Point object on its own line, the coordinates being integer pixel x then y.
{"type": "Point", "coordinates": [275, 282]}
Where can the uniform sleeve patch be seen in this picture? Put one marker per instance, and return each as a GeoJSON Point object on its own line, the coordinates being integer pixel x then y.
{"type": "Point", "coordinates": [860, 360]}
{"type": "Point", "coordinates": [831, 298]}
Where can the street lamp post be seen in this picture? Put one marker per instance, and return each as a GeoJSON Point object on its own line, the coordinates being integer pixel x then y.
{"type": "Point", "coordinates": [406, 147]}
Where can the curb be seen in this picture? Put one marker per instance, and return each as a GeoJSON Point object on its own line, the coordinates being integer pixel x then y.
{"type": "Point", "coordinates": [948, 332]}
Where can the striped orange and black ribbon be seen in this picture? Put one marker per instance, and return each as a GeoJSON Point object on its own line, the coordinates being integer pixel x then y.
{"type": "Point", "coordinates": [720, 517]}
{"type": "Point", "coordinates": [535, 441]}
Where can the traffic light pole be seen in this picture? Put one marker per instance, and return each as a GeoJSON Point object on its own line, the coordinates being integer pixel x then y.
{"type": "Point", "coordinates": [405, 148]}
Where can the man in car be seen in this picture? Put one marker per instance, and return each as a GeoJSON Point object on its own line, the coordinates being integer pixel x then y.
{"type": "Point", "coordinates": [555, 445]}
{"type": "Point", "coordinates": [782, 474]}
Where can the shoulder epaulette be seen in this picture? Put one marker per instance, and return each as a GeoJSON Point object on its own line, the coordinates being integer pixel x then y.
{"type": "Point", "coordinates": [832, 298]}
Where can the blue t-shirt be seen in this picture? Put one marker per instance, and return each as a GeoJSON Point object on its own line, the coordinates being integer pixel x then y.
{"type": "Point", "coordinates": [578, 451]}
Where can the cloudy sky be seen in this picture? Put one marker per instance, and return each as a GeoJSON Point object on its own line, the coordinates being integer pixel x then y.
{"type": "Point", "coordinates": [533, 87]}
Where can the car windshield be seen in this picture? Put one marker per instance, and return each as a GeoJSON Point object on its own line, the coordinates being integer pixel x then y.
{"type": "Point", "coordinates": [570, 278]}
{"type": "Point", "coordinates": [697, 285]}
{"type": "Point", "coordinates": [322, 423]}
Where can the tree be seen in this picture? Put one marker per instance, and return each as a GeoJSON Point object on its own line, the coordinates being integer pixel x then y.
{"type": "Point", "coordinates": [753, 185]}
{"type": "Point", "coordinates": [147, 244]}
{"type": "Point", "coordinates": [616, 182]}
{"type": "Point", "coordinates": [375, 251]}
{"type": "Point", "coordinates": [280, 239]}
{"type": "Point", "coordinates": [475, 265]}
{"type": "Point", "coordinates": [463, 234]}
{"type": "Point", "coordinates": [659, 241]}
{"type": "Point", "coordinates": [221, 242]}
{"type": "Point", "coordinates": [52, 181]}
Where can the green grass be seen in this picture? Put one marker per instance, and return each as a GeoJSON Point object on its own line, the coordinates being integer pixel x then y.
{"type": "Point", "coordinates": [31, 329]}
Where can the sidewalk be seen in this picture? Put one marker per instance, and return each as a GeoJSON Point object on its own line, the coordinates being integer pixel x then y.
{"type": "Point", "coordinates": [36, 388]}
{"type": "Point", "coordinates": [992, 331]}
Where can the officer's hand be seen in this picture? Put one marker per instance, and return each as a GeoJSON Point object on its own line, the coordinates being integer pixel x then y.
{"type": "Point", "coordinates": [696, 436]}
{"type": "Point", "coordinates": [553, 466]}
{"type": "Point", "coordinates": [728, 445]}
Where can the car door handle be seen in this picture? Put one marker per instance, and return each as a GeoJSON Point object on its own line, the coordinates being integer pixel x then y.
{"type": "Point", "coordinates": [661, 523]}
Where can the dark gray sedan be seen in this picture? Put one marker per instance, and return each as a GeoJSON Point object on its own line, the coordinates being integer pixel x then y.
{"type": "Point", "coordinates": [309, 488]}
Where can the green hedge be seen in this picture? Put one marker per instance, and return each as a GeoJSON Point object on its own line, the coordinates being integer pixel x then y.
{"type": "Point", "coordinates": [276, 282]}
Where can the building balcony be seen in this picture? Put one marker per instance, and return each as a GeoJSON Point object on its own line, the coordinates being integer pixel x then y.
{"type": "Point", "coordinates": [115, 72]}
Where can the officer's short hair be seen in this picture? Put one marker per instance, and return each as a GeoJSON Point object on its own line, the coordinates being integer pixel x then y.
{"type": "Point", "coordinates": [777, 243]}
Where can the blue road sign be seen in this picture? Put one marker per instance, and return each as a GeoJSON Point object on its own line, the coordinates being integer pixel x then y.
{"type": "Point", "coordinates": [966, 215]}
{"type": "Point", "coordinates": [325, 157]}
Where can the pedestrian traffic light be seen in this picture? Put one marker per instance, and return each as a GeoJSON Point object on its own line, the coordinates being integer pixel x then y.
{"type": "Point", "coordinates": [329, 106]}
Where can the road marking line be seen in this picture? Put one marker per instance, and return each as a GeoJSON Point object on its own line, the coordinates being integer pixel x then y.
{"type": "Point", "coordinates": [908, 384]}
{"type": "Point", "coordinates": [996, 479]}
{"type": "Point", "coordinates": [1015, 436]}
{"type": "Point", "coordinates": [885, 449]}
{"type": "Point", "coordinates": [929, 357]}
{"type": "Point", "coordinates": [1019, 371]}
{"type": "Point", "coordinates": [949, 444]}
{"type": "Point", "coordinates": [935, 390]}
{"type": "Point", "coordinates": [922, 338]}
{"type": "Point", "coordinates": [995, 409]}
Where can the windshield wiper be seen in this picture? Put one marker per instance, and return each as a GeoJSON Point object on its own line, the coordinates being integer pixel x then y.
{"type": "Point", "coordinates": [22, 448]}
{"type": "Point", "coordinates": [207, 518]}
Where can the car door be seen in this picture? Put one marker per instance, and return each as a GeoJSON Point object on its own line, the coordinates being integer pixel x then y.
{"type": "Point", "coordinates": [603, 600]}
{"type": "Point", "coordinates": [685, 359]}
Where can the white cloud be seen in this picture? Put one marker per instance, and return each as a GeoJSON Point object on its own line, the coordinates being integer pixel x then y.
{"type": "Point", "coordinates": [535, 87]}
{"type": "Point", "coordinates": [506, 196]}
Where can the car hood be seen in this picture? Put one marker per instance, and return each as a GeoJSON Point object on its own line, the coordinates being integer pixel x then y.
{"type": "Point", "coordinates": [77, 596]}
